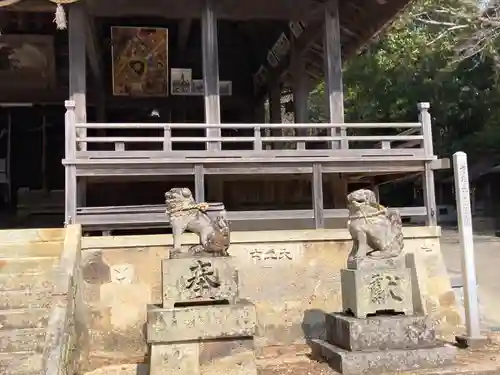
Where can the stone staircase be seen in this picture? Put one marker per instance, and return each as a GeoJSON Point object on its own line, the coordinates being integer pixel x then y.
{"type": "Point", "coordinates": [28, 261]}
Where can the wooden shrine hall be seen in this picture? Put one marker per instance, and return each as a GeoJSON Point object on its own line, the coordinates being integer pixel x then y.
{"type": "Point", "coordinates": [160, 93]}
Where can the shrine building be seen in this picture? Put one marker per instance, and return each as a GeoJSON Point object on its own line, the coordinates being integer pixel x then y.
{"type": "Point", "coordinates": [138, 97]}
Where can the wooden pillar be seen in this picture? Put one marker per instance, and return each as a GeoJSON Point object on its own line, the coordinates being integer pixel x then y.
{"type": "Point", "coordinates": [375, 188]}
{"type": "Point", "coordinates": [428, 175]}
{"type": "Point", "coordinates": [77, 60]}
{"type": "Point", "coordinates": [211, 71]}
{"type": "Point", "coordinates": [334, 92]}
{"type": "Point", "coordinates": [182, 41]}
{"type": "Point", "coordinates": [199, 183]}
{"type": "Point", "coordinates": [300, 94]}
{"type": "Point", "coordinates": [77, 79]}
{"type": "Point", "coordinates": [275, 104]}
{"type": "Point", "coordinates": [259, 114]}
{"type": "Point", "coordinates": [333, 70]}
{"type": "Point", "coordinates": [275, 113]}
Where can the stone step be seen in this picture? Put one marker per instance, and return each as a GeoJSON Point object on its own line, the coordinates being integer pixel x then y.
{"type": "Point", "coordinates": [20, 363]}
{"type": "Point", "coordinates": [35, 249]}
{"type": "Point", "coordinates": [27, 280]}
{"type": "Point", "coordinates": [24, 318]}
{"type": "Point", "coordinates": [22, 340]}
{"type": "Point", "coordinates": [27, 265]}
{"type": "Point", "coordinates": [18, 299]}
{"type": "Point", "coordinates": [382, 361]}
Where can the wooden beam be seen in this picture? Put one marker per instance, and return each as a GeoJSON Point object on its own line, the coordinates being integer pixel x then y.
{"type": "Point", "coordinates": [302, 43]}
{"type": "Point", "coordinates": [34, 6]}
{"type": "Point", "coordinates": [175, 9]}
{"type": "Point", "coordinates": [211, 71]}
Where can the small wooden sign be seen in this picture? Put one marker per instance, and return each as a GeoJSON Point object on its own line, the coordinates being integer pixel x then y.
{"type": "Point", "coordinates": [225, 87]}
{"type": "Point", "coordinates": [181, 81]}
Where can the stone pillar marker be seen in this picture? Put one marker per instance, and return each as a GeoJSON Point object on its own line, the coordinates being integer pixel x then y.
{"type": "Point", "coordinates": [473, 335]}
{"type": "Point", "coordinates": [377, 330]}
{"type": "Point", "coordinates": [201, 327]}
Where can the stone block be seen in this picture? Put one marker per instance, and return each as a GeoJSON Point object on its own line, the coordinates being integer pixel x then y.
{"type": "Point", "coordinates": [232, 357]}
{"type": "Point", "coordinates": [367, 292]}
{"type": "Point", "coordinates": [199, 280]}
{"type": "Point", "coordinates": [174, 359]}
{"type": "Point", "coordinates": [22, 340]}
{"type": "Point", "coordinates": [228, 357]}
{"type": "Point", "coordinates": [368, 264]}
{"type": "Point", "coordinates": [201, 322]}
{"type": "Point", "coordinates": [380, 332]}
{"type": "Point", "coordinates": [382, 361]}
{"type": "Point", "coordinates": [24, 318]}
{"type": "Point", "coordinates": [15, 299]}
{"type": "Point", "coordinates": [23, 363]}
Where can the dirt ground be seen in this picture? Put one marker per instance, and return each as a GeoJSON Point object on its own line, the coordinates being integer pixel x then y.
{"type": "Point", "coordinates": [487, 260]}
{"type": "Point", "coordinates": [286, 361]}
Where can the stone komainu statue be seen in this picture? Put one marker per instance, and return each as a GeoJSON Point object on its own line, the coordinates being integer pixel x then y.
{"type": "Point", "coordinates": [375, 230]}
{"type": "Point", "coordinates": [208, 221]}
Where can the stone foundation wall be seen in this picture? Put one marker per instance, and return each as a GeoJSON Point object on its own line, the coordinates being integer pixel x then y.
{"type": "Point", "coordinates": [293, 277]}
{"type": "Point", "coordinates": [66, 341]}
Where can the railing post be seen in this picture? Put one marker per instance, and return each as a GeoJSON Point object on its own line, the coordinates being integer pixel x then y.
{"type": "Point", "coordinates": [257, 143]}
{"type": "Point", "coordinates": [199, 183]}
{"type": "Point", "coordinates": [317, 195]}
{"type": "Point", "coordinates": [425, 120]}
{"type": "Point", "coordinates": [386, 145]}
{"type": "Point", "coordinates": [70, 191]}
{"type": "Point", "coordinates": [428, 175]}
{"type": "Point", "coordinates": [167, 138]}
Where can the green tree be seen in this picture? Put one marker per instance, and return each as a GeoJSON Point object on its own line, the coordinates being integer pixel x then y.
{"type": "Point", "coordinates": [416, 61]}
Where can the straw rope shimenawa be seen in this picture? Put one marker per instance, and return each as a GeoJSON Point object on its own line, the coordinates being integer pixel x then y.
{"type": "Point", "coordinates": [59, 16]}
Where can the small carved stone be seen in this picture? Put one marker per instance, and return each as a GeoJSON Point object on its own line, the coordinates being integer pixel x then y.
{"type": "Point", "coordinates": [206, 220]}
{"type": "Point", "coordinates": [375, 230]}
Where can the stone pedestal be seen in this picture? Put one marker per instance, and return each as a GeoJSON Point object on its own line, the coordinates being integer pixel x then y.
{"type": "Point", "coordinates": [201, 327]}
{"type": "Point", "coordinates": [364, 339]}
{"type": "Point", "coordinates": [374, 286]}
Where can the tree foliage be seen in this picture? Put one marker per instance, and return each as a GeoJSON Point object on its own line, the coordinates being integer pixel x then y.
{"type": "Point", "coordinates": [420, 58]}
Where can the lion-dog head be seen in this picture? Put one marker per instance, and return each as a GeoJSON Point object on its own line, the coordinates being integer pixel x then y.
{"type": "Point", "coordinates": [362, 200]}
{"type": "Point", "coordinates": [178, 198]}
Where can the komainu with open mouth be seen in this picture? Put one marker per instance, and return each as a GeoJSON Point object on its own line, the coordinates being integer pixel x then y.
{"type": "Point", "coordinates": [208, 222]}
{"type": "Point", "coordinates": [375, 230]}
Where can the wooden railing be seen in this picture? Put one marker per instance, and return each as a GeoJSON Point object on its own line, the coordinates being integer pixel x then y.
{"type": "Point", "coordinates": [402, 147]}
{"type": "Point", "coordinates": [127, 217]}
{"type": "Point", "coordinates": [161, 143]}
